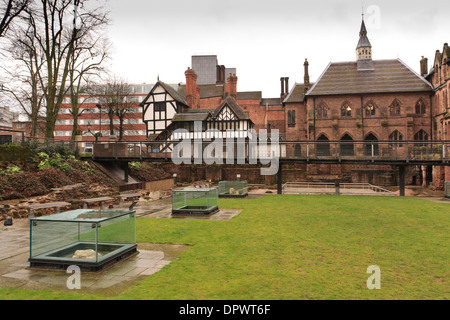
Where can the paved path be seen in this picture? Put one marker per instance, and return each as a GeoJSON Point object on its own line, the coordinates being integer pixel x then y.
{"type": "Point", "coordinates": [15, 271]}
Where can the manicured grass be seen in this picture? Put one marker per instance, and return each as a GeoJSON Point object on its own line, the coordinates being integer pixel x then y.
{"type": "Point", "coordinates": [298, 247]}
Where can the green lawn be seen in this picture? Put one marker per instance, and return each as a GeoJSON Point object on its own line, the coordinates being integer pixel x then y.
{"type": "Point", "coordinates": [298, 247]}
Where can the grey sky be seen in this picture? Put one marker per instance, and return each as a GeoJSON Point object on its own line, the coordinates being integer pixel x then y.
{"type": "Point", "coordinates": [266, 40]}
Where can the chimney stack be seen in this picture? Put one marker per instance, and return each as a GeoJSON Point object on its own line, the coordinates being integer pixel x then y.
{"type": "Point", "coordinates": [423, 66]}
{"type": "Point", "coordinates": [232, 85]}
{"type": "Point", "coordinates": [191, 88]}
{"type": "Point", "coordinates": [287, 86]}
{"type": "Point", "coordinates": [306, 79]}
{"type": "Point", "coordinates": [282, 88]}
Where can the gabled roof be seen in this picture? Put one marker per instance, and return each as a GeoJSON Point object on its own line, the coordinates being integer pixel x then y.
{"type": "Point", "coordinates": [386, 76]}
{"type": "Point", "coordinates": [170, 90]}
{"type": "Point", "coordinates": [232, 104]}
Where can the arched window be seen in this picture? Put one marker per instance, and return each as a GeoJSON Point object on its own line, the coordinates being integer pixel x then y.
{"type": "Point", "coordinates": [322, 111]}
{"type": "Point", "coordinates": [421, 107]}
{"type": "Point", "coordinates": [370, 110]}
{"type": "Point", "coordinates": [347, 146]}
{"type": "Point", "coordinates": [395, 109]}
{"type": "Point", "coordinates": [396, 136]}
{"type": "Point", "coordinates": [291, 119]}
{"type": "Point", "coordinates": [346, 110]}
{"type": "Point", "coordinates": [371, 147]}
{"type": "Point", "coordinates": [421, 136]}
{"type": "Point", "coordinates": [323, 146]}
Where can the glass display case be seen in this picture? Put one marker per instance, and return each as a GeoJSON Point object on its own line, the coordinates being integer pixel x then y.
{"type": "Point", "coordinates": [89, 239]}
{"type": "Point", "coordinates": [195, 201]}
{"type": "Point", "coordinates": [447, 189]}
{"type": "Point", "coordinates": [233, 189]}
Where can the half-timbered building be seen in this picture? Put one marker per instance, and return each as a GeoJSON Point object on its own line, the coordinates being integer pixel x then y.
{"type": "Point", "coordinates": [160, 106]}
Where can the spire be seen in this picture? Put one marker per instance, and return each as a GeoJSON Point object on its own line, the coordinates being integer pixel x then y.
{"type": "Point", "coordinates": [363, 32]}
{"type": "Point", "coordinates": [363, 40]}
{"type": "Point", "coordinates": [364, 48]}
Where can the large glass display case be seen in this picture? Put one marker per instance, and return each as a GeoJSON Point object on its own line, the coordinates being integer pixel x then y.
{"type": "Point", "coordinates": [195, 201]}
{"type": "Point", "coordinates": [89, 239]}
{"type": "Point", "coordinates": [233, 189]}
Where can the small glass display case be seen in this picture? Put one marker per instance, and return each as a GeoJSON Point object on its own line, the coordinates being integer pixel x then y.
{"type": "Point", "coordinates": [233, 189]}
{"type": "Point", "coordinates": [447, 189]}
{"type": "Point", "coordinates": [195, 201]}
{"type": "Point", "coordinates": [90, 239]}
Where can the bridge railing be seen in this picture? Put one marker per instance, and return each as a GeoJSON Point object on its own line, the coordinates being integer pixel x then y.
{"type": "Point", "coordinates": [375, 151]}
{"type": "Point", "coordinates": [367, 150]}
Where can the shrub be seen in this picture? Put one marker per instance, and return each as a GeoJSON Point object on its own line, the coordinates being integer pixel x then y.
{"type": "Point", "coordinates": [14, 152]}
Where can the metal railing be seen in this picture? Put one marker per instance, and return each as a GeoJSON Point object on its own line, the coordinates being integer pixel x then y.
{"type": "Point", "coordinates": [333, 188]}
{"type": "Point", "coordinates": [336, 151]}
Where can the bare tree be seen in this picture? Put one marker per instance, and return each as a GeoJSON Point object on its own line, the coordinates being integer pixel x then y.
{"type": "Point", "coordinates": [9, 11]}
{"type": "Point", "coordinates": [86, 67]}
{"type": "Point", "coordinates": [54, 29]}
{"type": "Point", "coordinates": [23, 75]}
{"type": "Point", "coordinates": [115, 96]}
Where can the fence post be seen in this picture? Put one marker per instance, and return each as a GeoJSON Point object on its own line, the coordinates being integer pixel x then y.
{"type": "Point", "coordinates": [280, 179]}
{"type": "Point", "coordinates": [401, 178]}
{"type": "Point", "coordinates": [337, 187]}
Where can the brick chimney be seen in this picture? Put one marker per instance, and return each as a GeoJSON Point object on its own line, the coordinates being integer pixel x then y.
{"type": "Point", "coordinates": [423, 66]}
{"type": "Point", "coordinates": [287, 85]}
{"type": "Point", "coordinates": [282, 88]}
{"type": "Point", "coordinates": [231, 88]}
{"type": "Point", "coordinates": [192, 91]}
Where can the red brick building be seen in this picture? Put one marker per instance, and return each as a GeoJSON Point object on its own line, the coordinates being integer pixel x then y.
{"type": "Point", "coordinates": [96, 119]}
{"type": "Point", "coordinates": [372, 100]}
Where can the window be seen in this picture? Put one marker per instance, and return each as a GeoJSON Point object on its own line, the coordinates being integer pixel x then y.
{"type": "Point", "coordinates": [347, 146]}
{"type": "Point", "coordinates": [322, 112]}
{"type": "Point", "coordinates": [346, 110]}
{"type": "Point", "coordinates": [371, 146]}
{"type": "Point", "coordinates": [421, 136]}
{"type": "Point", "coordinates": [395, 109]}
{"type": "Point", "coordinates": [160, 107]}
{"type": "Point", "coordinates": [396, 137]}
{"type": "Point", "coordinates": [420, 107]}
{"type": "Point", "coordinates": [370, 110]}
{"type": "Point", "coordinates": [291, 119]}
{"type": "Point", "coordinates": [323, 146]}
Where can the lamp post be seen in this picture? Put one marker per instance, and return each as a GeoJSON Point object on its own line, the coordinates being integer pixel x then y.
{"type": "Point", "coordinates": [89, 131]}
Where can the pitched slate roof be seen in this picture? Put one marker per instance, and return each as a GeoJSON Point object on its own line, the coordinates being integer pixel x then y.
{"type": "Point", "coordinates": [249, 95]}
{"type": "Point", "coordinates": [297, 94]}
{"type": "Point", "coordinates": [387, 76]}
{"type": "Point", "coordinates": [206, 90]}
{"type": "Point", "coordinates": [190, 116]}
{"type": "Point", "coordinates": [271, 102]}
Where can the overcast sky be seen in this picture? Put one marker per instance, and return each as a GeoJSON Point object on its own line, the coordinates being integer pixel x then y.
{"type": "Point", "coordinates": [265, 40]}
